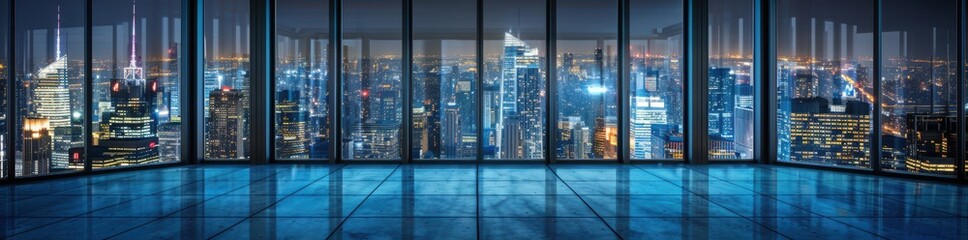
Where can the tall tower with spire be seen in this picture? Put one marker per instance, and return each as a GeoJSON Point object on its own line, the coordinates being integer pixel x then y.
{"type": "Point", "coordinates": [52, 101]}
{"type": "Point", "coordinates": [52, 95]}
{"type": "Point", "coordinates": [132, 127]}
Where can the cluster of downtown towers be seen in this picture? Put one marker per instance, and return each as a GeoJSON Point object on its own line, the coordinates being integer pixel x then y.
{"type": "Point", "coordinates": [823, 78]}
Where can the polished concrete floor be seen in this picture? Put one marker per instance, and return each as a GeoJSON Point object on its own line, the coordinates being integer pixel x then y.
{"type": "Point", "coordinates": [532, 201]}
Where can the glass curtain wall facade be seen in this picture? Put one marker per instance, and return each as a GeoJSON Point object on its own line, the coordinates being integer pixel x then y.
{"type": "Point", "coordinates": [372, 80]}
{"type": "Point", "coordinates": [5, 79]}
{"type": "Point", "coordinates": [656, 80]}
{"type": "Point", "coordinates": [302, 76]}
{"type": "Point", "coordinates": [136, 83]}
{"type": "Point", "coordinates": [225, 83]}
{"type": "Point", "coordinates": [444, 79]}
{"type": "Point", "coordinates": [479, 82]}
{"type": "Point", "coordinates": [587, 97]}
{"type": "Point", "coordinates": [919, 86]}
{"type": "Point", "coordinates": [824, 78]}
{"type": "Point", "coordinates": [515, 73]}
{"type": "Point", "coordinates": [731, 85]}
{"type": "Point", "coordinates": [50, 79]}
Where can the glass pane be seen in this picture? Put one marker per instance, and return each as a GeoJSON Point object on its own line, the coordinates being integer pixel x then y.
{"type": "Point", "coordinates": [824, 86]}
{"type": "Point", "coordinates": [919, 86]}
{"type": "Point", "coordinates": [136, 84]}
{"type": "Point", "coordinates": [372, 73]}
{"type": "Point", "coordinates": [444, 79]}
{"type": "Point", "coordinates": [226, 79]}
{"type": "Point", "coordinates": [4, 77]}
{"type": "Point", "coordinates": [50, 82]}
{"type": "Point", "coordinates": [730, 89]}
{"type": "Point", "coordinates": [655, 79]}
{"type": "Point", "coordinates": [514, 79]}
{"type": "Point", "coordinates": [586, 69]}
{"type": "Point", "coordinates": [302, 78]}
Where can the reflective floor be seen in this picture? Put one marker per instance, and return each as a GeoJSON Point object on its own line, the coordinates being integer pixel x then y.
{"type": "Point", "coordinates": [607, 201]}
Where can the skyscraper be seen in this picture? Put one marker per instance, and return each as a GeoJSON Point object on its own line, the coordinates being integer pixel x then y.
{"type": "Point", "coordinates": [520, 100]}
{"type": "Point", "coordinates": [36, 146]}
{"type": "Point", "coordinates": [225, 136]}
{"type": "Point", "coordinates": [647, 111]}
{"type": "Point", "coordinates": [830, 137]}
{"type": "Point", "coordinates": [132, 137]}
{"type": "Point", "coordinates": [721, 102]}
{"type": "Point", "coordinates": [291, 139]}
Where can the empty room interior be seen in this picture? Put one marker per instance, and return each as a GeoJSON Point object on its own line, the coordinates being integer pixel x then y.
{"type": "Point", "coordinates": [483, 119]}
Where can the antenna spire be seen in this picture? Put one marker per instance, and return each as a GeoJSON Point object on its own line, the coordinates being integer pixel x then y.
{"type": "Point", "coordinates": [134, 26]}
{"type": "Point", "coordinates": [58, 40]}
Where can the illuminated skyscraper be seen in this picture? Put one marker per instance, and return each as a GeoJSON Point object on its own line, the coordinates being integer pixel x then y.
{"type": "Point", "coordinates": [169, 141]}
{"type": "Point", "coordinates": [820, 135]}
{"type": "Point", "coordinates": [291, 139]}
{"type": "Point", "coordinates": [132, 125]}
{"type": "Point", "coordinates": [52, 96]}
{"type": "Point", "coordinates": [722, 102]}
{"type": "Point", "coordinates": [225, 135]}
{"type": "Point", "coordinates": [520, 98]}
{"type": "Point", "coordinates": [646, 112]}
{"type": "Point", "coordinates": [36, 146]}
{"type": "Point", "coordinates": [931, 142]}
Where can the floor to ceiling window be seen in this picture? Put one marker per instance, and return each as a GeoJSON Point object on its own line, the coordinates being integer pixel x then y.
{"type": "Point", "coordinates": [587, 80]}
{"type": "Point", "coordinates": [444, 79]}
{"type": "Point", "coordinates": [730, 105]}
{"type": "Point", "coordinates": [226, 79]}
{"type": "Point", "coordinates": [655, 79]}
{"type": "Point", "coordinates": [824, 82]}
{"type": "Point", "coordinates": [4, 84]}
{"type": "Point", "coordinates": [302, 94]}
{"type": "Point", "coordinates": [136, 83]}
{"type": "Point", "coordinates": [919, 86]}
{"type": "Point", "coordinates": [50, 85]}
{"type": "Point", "coordinates": [372, 80]}
{"type": "Point", "coordinates": [515, 71]}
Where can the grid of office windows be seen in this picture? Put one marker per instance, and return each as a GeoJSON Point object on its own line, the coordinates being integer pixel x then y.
{"type": "Point", "coordinates": [515, 72]}
{"type": "Point", "coordinates": [586, 55]}
{"type": "Point", "coordinates": [226, 82]}
{"type": "Point", "coordinates": [444, 79]}
{"type": "Point", "coordinates": [824, 82]}
{"type": "Point", "coordinates": [730, 85]}
{"type": "Point", "coordinates": [655, 79]}
{"type": "Point", "coordinates": [372, 80]}
{"type": "Point", "coordinates": [4, 84]}
{"type": "Point", "coordinates": [136, 83]}
{"type": "Point", "coordinates": [302, 76]}
{"type": "Point", "coordinates": [919, 86]}
{"type": "Point", "coordinates": [50, 82]}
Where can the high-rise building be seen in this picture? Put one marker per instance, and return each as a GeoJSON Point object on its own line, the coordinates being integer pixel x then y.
{"type": "Point", "coordinates": [721, 102]}
{"type": "Point", "coordinates": [132, 137]}
{"type": "Point", "coordinates": [931, 143]}
{"type": "Point", "coordinates": [52, 97]}
{"type": "Point", "coordinates": [451, 132]}
{"type": "Point", "coordinates": [520, 98]}
{"type": "Point", "coordinates": [666, 142]}
{"type": "Point", "coordinates": [291, 139]}
{"type": "Point", "coordinates": [819, 135]}
{"type": "Point", "coordinates": [169, 141]}
{"type": "Point", "coordinates": [647, 111]}
{"type": "Point", "coordinates": [225, 133]}
{"type": "Point", "coordinates": [36, 146]}
{"type": "Point", "coordinates": [606, 138]}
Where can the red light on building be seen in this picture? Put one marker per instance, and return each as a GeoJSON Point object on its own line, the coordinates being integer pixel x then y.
{"type": "Point", "coordinates": [116, 87]}
{"type": "Point", "coordinates": [77, 156]}
{"type": "Point", "coordinates": [152, 144]}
